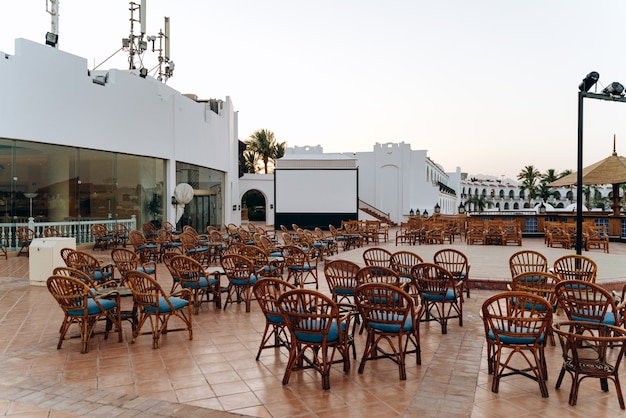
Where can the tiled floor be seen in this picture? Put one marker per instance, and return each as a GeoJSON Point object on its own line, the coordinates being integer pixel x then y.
{"type": "Point", "coordinates": [216, 373]}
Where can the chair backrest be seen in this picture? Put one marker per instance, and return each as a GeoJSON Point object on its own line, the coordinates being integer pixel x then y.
{"type": "Point", "coordinates": [147, 292]}
{"type": "Point", "coordinates": [235, 248]}
{"type": "Point", "coordinates": [341, 276]}
{"type": "Point", "coordinates": [77, 274]}
{"type": "Point", "coordinates": [375, 274]}
{"type": "Point", "coordinates": [540, 283]}
{"type": "Point", "coordinates": [238, 267]}
{"type": "Point", "coordinates": [576, 267]}
{"type": "Point", "coordinates": [377, 257]}
{"type": "Point", "coordinates": [125, 260]}
{"type": "Point", "coordinates": [433, 279]}
{"type": "Point", "coordinates": [267, 291]}
{"type": "Point", "coordinates": [387, 305]}
{"type": "Point", "coordinates": [65, 254]}
{"type": "Point", "coordinates": [148, 228]}
{"type": "Point", "coordinates": [403, 261]}
{"type": "Point", "coordinates": [71, 293]}
{"type": "Point", "coordinates": [452, 260]}
{"type": "Point", "coordinates": [51, 232]}
{"type": "Point", "coordinates": [257, 254]}
{"type": "Point", "coordinates": [136, 238]}
{"type": "Point", "coordinates": [188, 270]}
{"type": "Point", "coordinates": [24, 234]}
{"type": "Point", "coordinates": [516, 317]}
{"type": "Point", "coordinates": [527, 260]}
{"type": "Point", "coordinates": [585, 301]}
{"type": "Point", "coordinates": [84, 262]}
{"type": "Point", "coordinates": [216, 236]}
{"type": "Point", "coordinates": [309, 314]}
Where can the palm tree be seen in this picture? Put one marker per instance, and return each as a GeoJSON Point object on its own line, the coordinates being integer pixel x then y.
{"type": "Point", "coordinates": [529, 176]}
{"type": "Point", "coordinates": [550, 175]}
{"type": "Point", "coordinates": [479, 202]}
{"type": "Point", "coordinates": [263, 144]}
{"type": "Point", "coordinates": [249, 161]}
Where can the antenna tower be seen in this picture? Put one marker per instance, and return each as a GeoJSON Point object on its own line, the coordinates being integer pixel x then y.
{"type": "Point", "coordinates": [166, 67]}
{"type": "Point", "coordinates": [52, 37]}
{"type": "Point", "coordinates": [135, 45]}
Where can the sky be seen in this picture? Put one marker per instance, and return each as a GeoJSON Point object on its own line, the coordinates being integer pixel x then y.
{"type": "Point", "coordinates": [489, 86]}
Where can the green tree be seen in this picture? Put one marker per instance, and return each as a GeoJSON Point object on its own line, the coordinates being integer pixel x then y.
{"type": "Point", "coordinates": [264, 146]}
{"type": "Point", "coordinates": [249, 161]}
{"type": "Point", "coordinates": [479, 202]}
{"type": "Point", "coordinates": [529, 177]}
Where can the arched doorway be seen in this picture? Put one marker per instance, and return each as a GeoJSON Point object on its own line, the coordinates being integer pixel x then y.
{"type": "Point", "coordinates": [253, 206]}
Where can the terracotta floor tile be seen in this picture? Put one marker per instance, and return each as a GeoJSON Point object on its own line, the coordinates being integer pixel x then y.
{"type": "Point", "coordinates": [218, 370]}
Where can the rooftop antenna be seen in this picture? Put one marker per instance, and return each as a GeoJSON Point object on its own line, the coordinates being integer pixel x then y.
{"type": "Point", "coordinates": [52, 37]}
{"type": "Point", "coordinates": [166, 67]}
{"type": "Point", "coordinates": [135, 44]}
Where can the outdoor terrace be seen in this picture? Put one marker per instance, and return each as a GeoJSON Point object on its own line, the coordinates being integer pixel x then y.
{"type": "Point", "coordinates": [216, 374]}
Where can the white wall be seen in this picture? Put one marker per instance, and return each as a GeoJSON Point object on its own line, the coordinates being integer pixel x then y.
{"type": "Point", "coordinates": [48, 96]}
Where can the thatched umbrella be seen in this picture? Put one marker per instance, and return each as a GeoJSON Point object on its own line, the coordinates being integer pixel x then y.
{"type": "Point", "coordinates": [611, 170]}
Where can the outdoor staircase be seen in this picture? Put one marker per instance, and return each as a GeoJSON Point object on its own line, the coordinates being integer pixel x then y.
{"type": "Point", "coordinates": [376, 213]}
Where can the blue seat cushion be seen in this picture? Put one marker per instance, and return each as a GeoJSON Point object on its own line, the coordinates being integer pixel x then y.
{"type": "Point", "coordinates": [147, 246]}
{"type": "Point", "coordinates": [243, 282]}
{"type": "Point", "coordinates": [516, 340]}
{"type": "Point", "coordinates": [434, 297]}
{"type": "Point", "coordinates": [176, 302]}
{"type": "Point", "coordinates": [333, 333]}
{"type": "Point", "coordinates": [99, 275]}
{"type": "Point", "coordinates": [148, 270]}
{"type": "Point", "coordinates": [407, 326]}
{"type": "Point", "coordinates": [344, 291]}
{"type": "Point", "coordinates": [93, 308]}
{"type": "Point", "coordinates": [609, 317]}
{"type": "Point", "coordinates": [198, 249]}
{"type": "Point", "coordinates": [275, 318]}
{"type": "Point", "coordinates": [202, 282]}
{"type": "Point", "coordinates": [306, 267]}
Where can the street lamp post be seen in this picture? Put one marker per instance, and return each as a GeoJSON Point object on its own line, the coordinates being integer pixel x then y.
{"type": "Point", "coordinates": [614, 93]}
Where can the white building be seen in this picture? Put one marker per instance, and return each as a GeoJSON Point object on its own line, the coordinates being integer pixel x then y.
{"type": "Point", "coordinates": [109, 146]}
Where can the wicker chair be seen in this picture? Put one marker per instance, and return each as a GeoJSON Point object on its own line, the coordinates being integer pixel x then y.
{"type": "Point", "coordinates": [516, 323]}
{"type": "Point", "coordinates": [377, 256]}
{"type": "Point", "coordinates": [375, 274]}
{"type": "Point", "coordinates": [318, 328]}
{"type": "Point", "coordinates": [241, 273]}
{"type": "Point", "coordinates": [82, 306]}
{"type": "Point", "coordinates": [147, 250]}
{"type": "Point", "coordinates": [440, 292]}
{"type": "Point", "coordinates": [104, 238]}
{"type": "Point", "coordinates": [403, 261]}
{"type": "Point", "coordinates": [527, 260]}
{"type": "Point", "coordinates": [585, 355]}
{"type": "Point", "coordinates": [126, 260]}
{"type": "Point", "coordinates": [341, 279]}
{"type": "Point", "coordinates": [158, 307]}
{"type": "Point", "coordinates": [90, 265]}
{"type": "Point", "coordinates": [120, 232]}
{"type": "Point", "coordinates": [267, 291]}
{"type": "Point", "coordinates": [192, 276]}
{"type": "Point", "coordinates": [589, 302]}
{"type": "Point", "coordinates": [576, 267]}
{"type": "Point", "coordinates": [389, 315]}
{"type": "Point", "coordinates": [456, 263]}
{"type": "Point", "coordinates": [24, 236]}
{"type": "Point", "coordinates": [301, 265]}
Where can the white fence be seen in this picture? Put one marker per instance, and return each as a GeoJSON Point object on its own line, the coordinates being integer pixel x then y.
{"type": "Point", "coordinates": [80, 230]}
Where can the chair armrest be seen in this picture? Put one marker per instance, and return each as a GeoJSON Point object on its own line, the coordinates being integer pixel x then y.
{"type": "Point", "coordinates": [183, 294]}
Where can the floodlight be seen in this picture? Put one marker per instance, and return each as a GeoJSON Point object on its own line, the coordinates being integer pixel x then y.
{"type": "Point", "coordinates": [614, 89]}
{"type": "Point", "coordinates": [52, 39]}
{"type": "Point", "coordinates": [589, 81]}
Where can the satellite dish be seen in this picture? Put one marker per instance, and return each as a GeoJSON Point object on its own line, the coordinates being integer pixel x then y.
{"type": "Point", "coordinates": [183, 194]}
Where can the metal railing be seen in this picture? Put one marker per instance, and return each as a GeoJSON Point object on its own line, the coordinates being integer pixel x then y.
{"type": "Point", "coordinates": [80, 230]}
